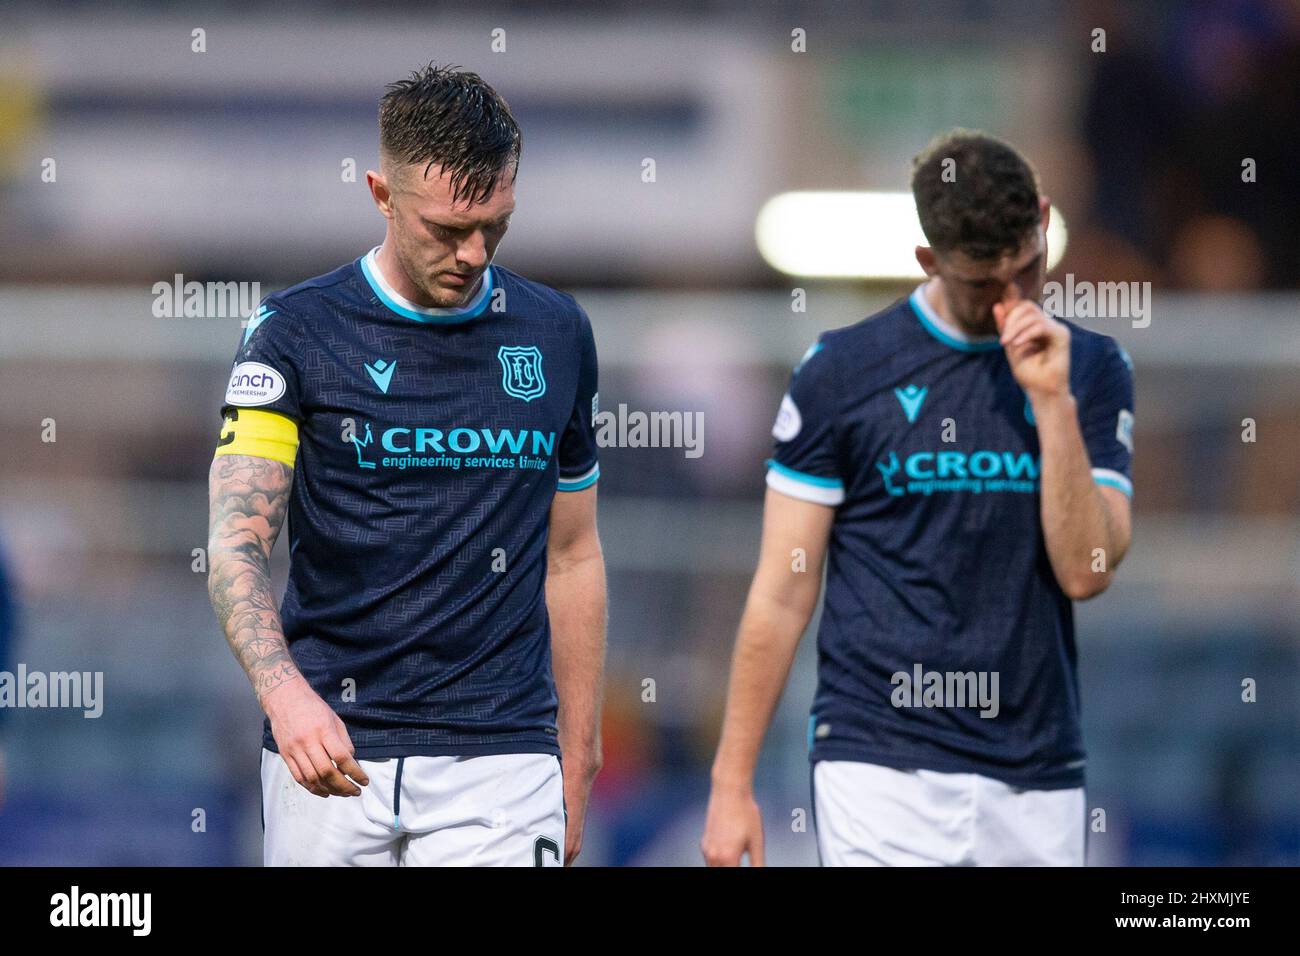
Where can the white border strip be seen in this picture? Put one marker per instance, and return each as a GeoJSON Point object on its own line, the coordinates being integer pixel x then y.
{"type": "Point", "coordinates": [802, 490]}
{"type": "Point", "coordinates": [1107, 476]}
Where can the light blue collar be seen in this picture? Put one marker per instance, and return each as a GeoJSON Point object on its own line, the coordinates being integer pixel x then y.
{"type": "Point", "coordinates": [946, 332]}
{"type": "Point", "coordinates": [419, 313]}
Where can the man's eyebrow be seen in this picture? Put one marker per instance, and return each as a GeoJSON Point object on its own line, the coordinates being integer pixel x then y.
{"type": "Point", "coordinates": [448, 225]}
{"type": "Point", "coordinates": [986, 280]}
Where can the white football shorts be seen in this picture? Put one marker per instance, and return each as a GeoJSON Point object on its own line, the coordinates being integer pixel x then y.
{"type": "Point", "coordinates": [869, 815]}
{"type": "Point", "coordinates": [494, 810]}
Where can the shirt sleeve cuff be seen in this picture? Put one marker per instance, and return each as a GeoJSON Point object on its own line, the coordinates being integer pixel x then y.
{"type": "Point", "coordinates": [1112, 479]}
{"type": "Point", "coordinates": [797, 484]}
{"type": "Point", "coordinates": [585, 480]}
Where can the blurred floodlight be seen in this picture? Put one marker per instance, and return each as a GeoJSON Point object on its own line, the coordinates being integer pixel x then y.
{"type": "Point", "coordinates": [857, 235]}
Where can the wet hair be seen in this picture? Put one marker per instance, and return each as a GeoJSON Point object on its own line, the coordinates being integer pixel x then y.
{"type": "Point", "coordinates": [444, 116]}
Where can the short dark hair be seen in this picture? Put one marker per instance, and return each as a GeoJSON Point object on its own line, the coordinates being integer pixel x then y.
{"type": "Point", "coordinates": [990, 208]}
{"type": "Point", "coordinates": [451, 118]}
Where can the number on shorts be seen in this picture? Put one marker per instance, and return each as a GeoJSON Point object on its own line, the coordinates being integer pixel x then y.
{"type": "Point", "coordinates": [542, 846]}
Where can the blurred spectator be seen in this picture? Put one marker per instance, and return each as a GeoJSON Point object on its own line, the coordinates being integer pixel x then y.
{"type": "Point", "coordinates": [1175, 109]}
{"type": "Point", "coordinates": [1217, 254]}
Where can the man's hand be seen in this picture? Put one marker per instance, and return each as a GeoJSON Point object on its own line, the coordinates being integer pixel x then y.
{"type": "Point", "coordinates": [733, 827]}
{"type": "Point", "coordinates": [312, 740]}
{"type": "Point", "coordinates": [1079, 518]}
{"type": "Point", "coordinates": [781, 601]}
{"type": "Point", "coordinates": [248, 498]}
{"type": "Point", "coordinates": [1037, 346]}
{"type": "Point", "coordinates": [575, 601]}
{"type": "Point", "coordinates": [577, 792]}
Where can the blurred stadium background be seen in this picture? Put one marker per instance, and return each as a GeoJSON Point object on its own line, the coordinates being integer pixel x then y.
{"type": "Point", "coordinates": [227, 165]}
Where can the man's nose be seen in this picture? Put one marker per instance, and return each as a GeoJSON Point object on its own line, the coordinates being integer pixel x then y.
{"type": "Point", "coordinates": [473, 251]}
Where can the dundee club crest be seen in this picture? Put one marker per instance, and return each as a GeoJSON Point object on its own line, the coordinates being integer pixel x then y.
{"type": "Point", "coordinates": [521, 371]}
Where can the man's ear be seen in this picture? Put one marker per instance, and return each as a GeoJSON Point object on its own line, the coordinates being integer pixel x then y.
{"type": "Point", "coordinates": [1044, 209]}
{"type": "Point", "coordinates": [380, 192]}
{"type": "Point", "coordinates": [925, 258]}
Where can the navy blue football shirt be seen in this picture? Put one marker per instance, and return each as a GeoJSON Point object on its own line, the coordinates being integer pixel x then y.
{"type": "Point", "coordinates": [431, 445]}
{"type": "Point", "coordinates": [922, 440]}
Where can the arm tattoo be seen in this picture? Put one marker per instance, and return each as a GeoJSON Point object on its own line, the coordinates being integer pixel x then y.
{"type": "Point", "coordinates": [248, 498]}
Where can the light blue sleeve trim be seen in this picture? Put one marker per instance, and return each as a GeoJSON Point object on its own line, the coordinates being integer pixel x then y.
{"type": "Point", "coordinates": [581, 482]}
{"type": "Point", "coordinates": [1112, 479]}
{"type": "Point", "coordinates": [807, 479]}
{"type": "Point", "coordinates": [796, 484]}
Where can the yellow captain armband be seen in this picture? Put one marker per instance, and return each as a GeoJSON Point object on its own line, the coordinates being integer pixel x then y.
{"type": "Point", "coordinates": [251, 431]}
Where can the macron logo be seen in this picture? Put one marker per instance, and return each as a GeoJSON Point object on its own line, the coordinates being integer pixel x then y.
{"type": "Point", "coordinates": [382, 373]}
{"type": "Point", "coordinates": [911, 398]}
